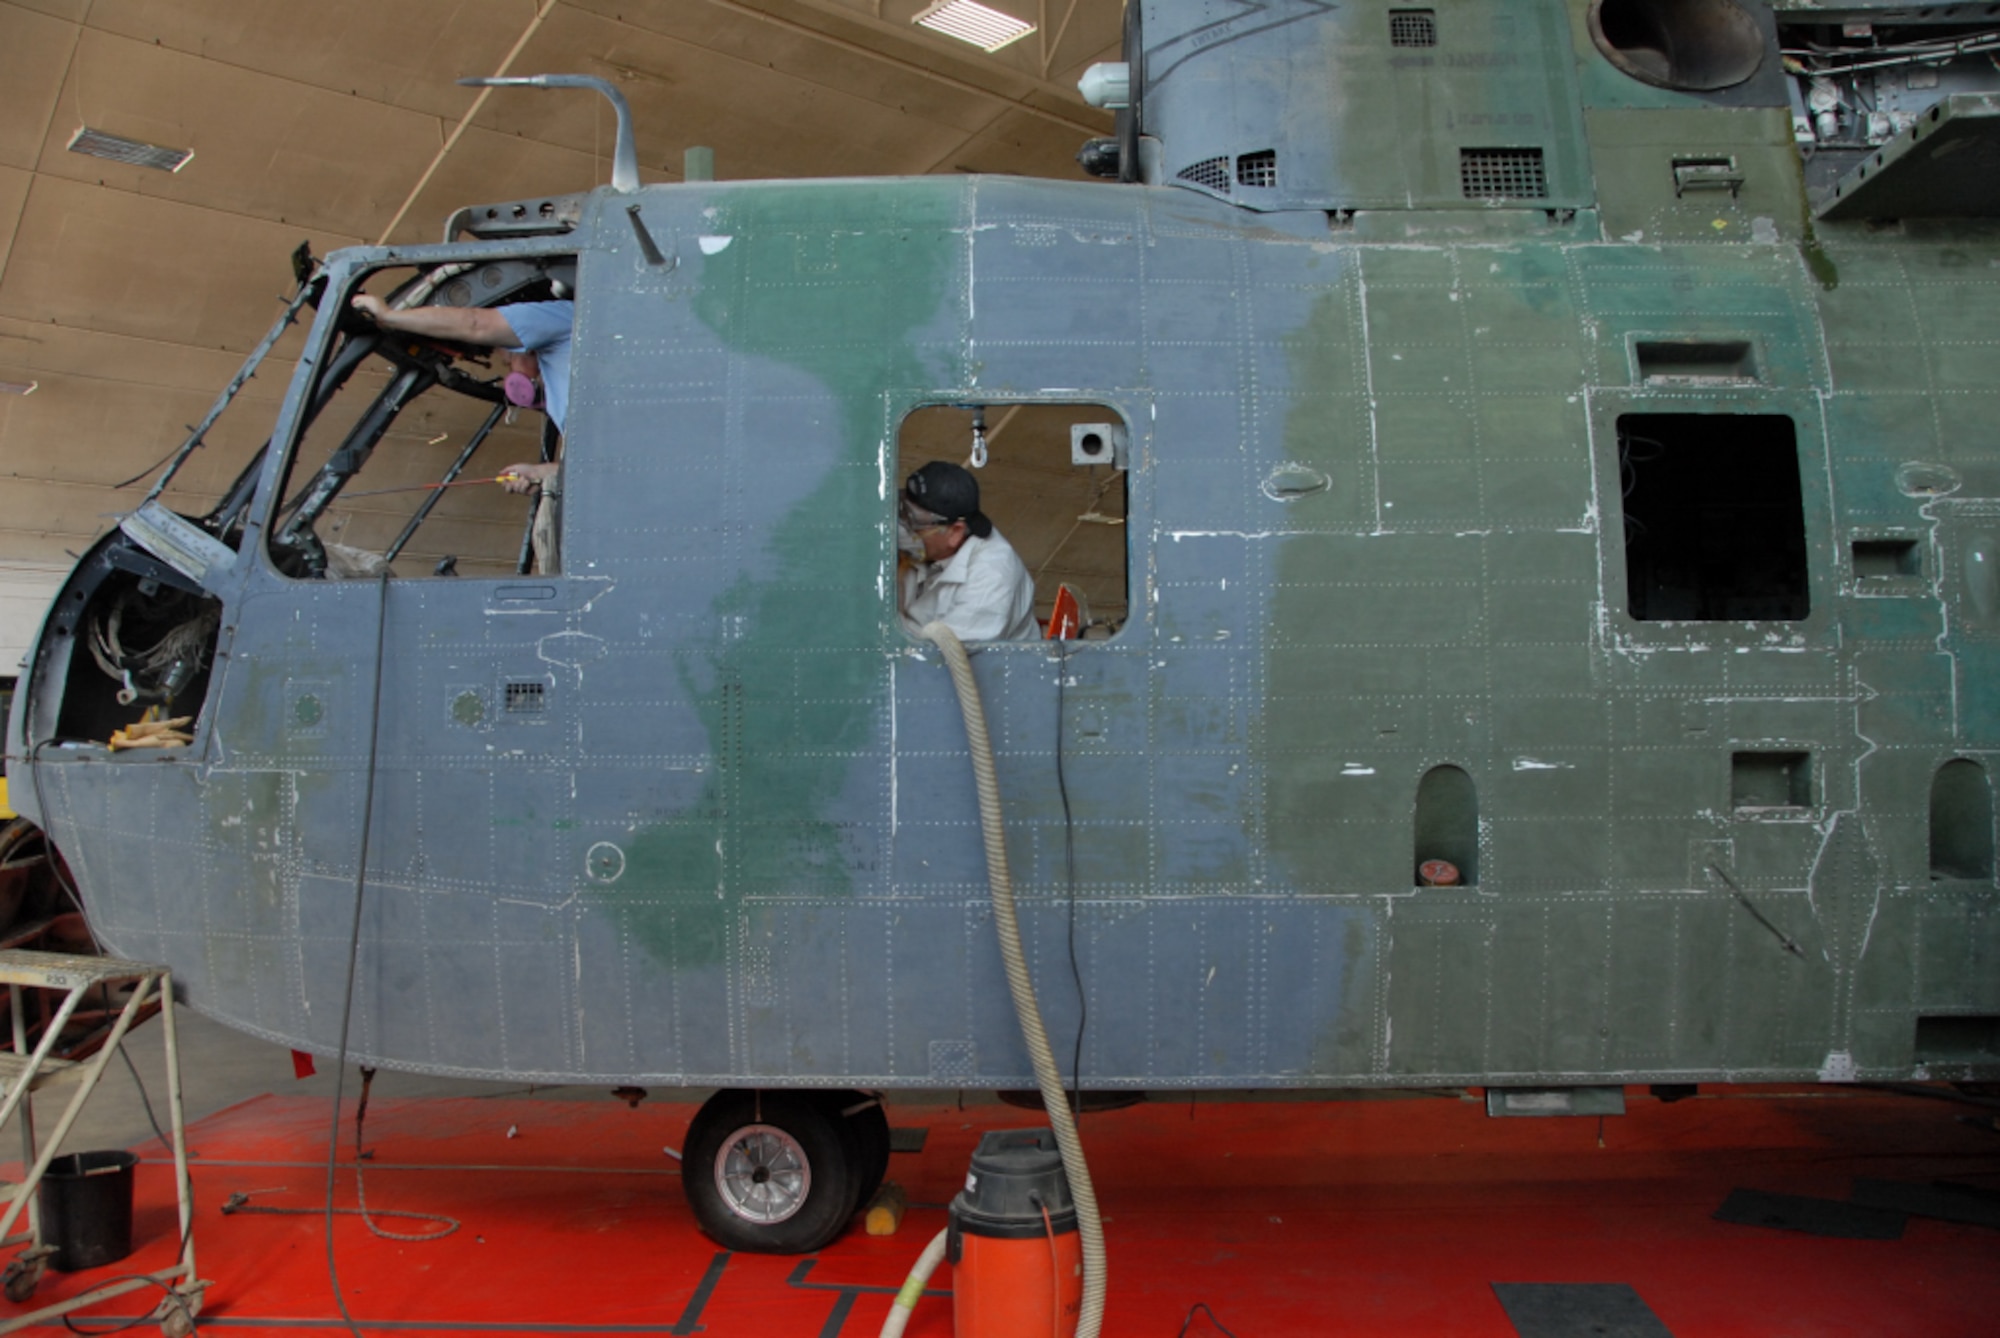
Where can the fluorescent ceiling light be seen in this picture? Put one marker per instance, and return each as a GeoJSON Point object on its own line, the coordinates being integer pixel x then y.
{"type": "Point", "coordinates": [970, 21]}
{"type": "Point", "coordinates": [19, 387]}
{"type": "Point", "coordinates": [118, 149]}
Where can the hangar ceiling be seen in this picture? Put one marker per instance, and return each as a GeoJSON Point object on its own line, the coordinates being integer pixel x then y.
{"type": "Point", "coordinates": [129, 295]}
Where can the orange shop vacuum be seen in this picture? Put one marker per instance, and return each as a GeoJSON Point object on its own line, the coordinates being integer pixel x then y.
{"type": "Point", "coordinates": [1017, 1261]}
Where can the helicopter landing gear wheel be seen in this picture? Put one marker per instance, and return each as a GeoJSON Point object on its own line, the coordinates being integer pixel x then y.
{"type": "Point", "coordinates": [867, 1126]}
{"type": "Point", "coordinates": [770, 1172]}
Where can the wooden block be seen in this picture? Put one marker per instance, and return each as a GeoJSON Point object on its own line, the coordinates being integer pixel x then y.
{"type": "Point", "coordinates": [885, 1210]}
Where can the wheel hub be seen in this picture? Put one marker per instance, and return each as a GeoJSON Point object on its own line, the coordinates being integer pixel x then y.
{"type": "Point", "coordinates": [763, 1175]}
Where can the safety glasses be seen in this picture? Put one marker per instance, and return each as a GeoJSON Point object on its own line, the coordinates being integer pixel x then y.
{"type": "Point", "coordinates": [920, 520]}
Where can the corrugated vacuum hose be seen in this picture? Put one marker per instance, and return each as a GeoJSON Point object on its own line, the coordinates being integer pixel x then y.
{"type": "Point", "coordinates": [1022, 987]}
{"type": "Point", "coordinates": [913, 1286]}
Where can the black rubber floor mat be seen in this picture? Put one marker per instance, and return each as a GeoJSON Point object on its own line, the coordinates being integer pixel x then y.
{"type": "Point", "coordinates": [1952, 1203]}
{"type": "Point", "coordinates": [1578, 1310]}
{"type": "Point", "coordinates": [1815, 1217]}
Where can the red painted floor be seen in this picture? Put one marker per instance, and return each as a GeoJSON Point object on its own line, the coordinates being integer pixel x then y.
{"type": "Point", "coordinates": [1389, 1217]}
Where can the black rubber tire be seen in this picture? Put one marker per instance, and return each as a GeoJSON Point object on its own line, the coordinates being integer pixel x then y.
{"type": "Point", "coordinates": [818, 1164]}
{"type": "Point", "coordinates": [869, 1127]}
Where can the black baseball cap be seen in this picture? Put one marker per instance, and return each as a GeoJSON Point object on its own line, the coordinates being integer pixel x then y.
{"type": "Point", "coordinates": [949, 492]}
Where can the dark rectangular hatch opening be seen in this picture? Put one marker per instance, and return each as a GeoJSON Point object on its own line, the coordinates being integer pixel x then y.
{"type": "Point", "coordinates": [1714, 517]}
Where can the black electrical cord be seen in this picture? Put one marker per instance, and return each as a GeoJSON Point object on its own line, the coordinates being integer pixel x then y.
{"type": "Point", "coordinates": [174, 1299]}
{"type": "Point", "coordinates": [1187, 1323]}
{"type": "Point", "coordinates": [144, 1100]}
{"type": "Point", "coordinates": [354, 943]}
{"type": "Point", "coordinates": [1069, 871]}
{"type": "Point", "coordinates": [240, 1202]}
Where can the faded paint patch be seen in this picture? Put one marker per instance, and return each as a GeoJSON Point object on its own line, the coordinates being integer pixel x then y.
{"type": "Point", "coordinates": [879, 262]}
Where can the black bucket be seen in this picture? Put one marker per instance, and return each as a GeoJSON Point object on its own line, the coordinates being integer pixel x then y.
{"type": "Point", "coordinates": [87, 1209]}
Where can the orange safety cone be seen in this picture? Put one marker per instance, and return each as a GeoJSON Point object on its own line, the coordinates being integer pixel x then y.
{"type": "Point", "coordinates": [1066, 618]}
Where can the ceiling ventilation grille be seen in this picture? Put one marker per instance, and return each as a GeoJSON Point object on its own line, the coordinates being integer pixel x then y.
{"type": "Point", "coordinates": [1211, 173]}
{"type": "Point", "coordinates": [969, 21]}
{"type": "Point", "coordinates": [1502, 174]}
{"type": "Point", "coordinates": [118, 149]}
{"type": "Point", "coordinates": [1413, 27]}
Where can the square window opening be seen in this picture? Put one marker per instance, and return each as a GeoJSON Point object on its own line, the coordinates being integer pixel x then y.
{"type": "Point", "coordinates": [1773, 780]}
{"type": "Point", "coordinates": [1053, 486]}
{"type": "Point", "coordinates": [1714, 517]}
{"type": "Point", "coordinates": [1887, 557]}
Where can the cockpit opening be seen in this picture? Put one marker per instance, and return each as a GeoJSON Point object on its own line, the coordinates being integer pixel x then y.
{"type": "Point", "coordinates": [417, 434]}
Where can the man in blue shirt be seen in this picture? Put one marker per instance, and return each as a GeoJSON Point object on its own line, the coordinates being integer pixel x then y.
{"type": "Point", "coordinates": [537, 335]}
{"type": "Point", "coordinates": [540, 329]}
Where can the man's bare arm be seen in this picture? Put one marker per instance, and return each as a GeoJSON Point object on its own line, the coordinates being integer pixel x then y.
{"type": "Point", "coordinates": [523, 477]}
{"type": "Point", "coordinates": [463, 325]}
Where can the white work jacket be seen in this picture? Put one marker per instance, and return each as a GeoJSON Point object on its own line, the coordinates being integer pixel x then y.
{"type": "Point", "coordinates": [982, 592]}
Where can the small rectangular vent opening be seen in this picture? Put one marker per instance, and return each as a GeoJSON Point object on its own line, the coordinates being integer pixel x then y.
{"type": "Point", "coordinates": [1770, 780]}
{"type": "Point", "coordinates": [1258, 169]}
{"type": "Point", "coordinates": [1887, 557]}
{"type": "Point", "coordinates": [1211, 173]}
{"type": "Point", "coordinates": [1695, 361]}
{"type": "Point", "coordinates": [526, 697]}
{"type": "Point", "coordinates": [1502, 174]}
{"type": "Point", "coordinates": [1963, 1040]}
{"type": "Point", "coordinates": [1413, 27]}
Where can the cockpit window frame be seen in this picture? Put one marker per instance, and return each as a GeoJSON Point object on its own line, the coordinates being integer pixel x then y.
{"type": "Point", "coordinates": [345, 274]}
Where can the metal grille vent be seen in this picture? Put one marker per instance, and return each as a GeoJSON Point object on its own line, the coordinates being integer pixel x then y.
{"type": "Point", "coordinates": [1212, 173]}
{"type": "Point", "coordinates": [1413, 27]}
{"type": "Point", "coordinates": [119, 149]}
{"type": "Point", "coordinates": [1258, 169]}
{"type": "Point", "coordinates": [526, 697]}
{"type": "Point", "coordinates": [1502, 174]}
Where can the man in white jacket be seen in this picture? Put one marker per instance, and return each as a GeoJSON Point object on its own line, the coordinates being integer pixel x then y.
{"type": "Point", "coordinates": [964, 573]}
